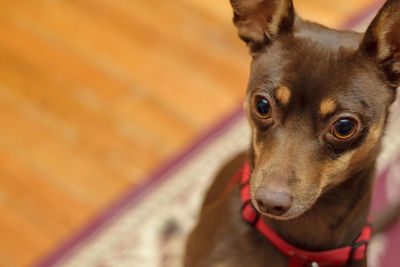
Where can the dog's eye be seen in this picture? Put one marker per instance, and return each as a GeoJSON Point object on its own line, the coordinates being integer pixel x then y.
{"type": "Point", "coordinates": [344, 128]}
{"type": "Point", "coordinates": [262, 107]}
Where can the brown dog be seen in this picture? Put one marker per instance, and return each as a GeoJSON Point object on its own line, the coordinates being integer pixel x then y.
{"type": "Point", "coordinates": [317, 102]}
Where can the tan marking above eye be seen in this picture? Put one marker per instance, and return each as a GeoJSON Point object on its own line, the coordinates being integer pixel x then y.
{"type": "Point", "coordinates": [327, 106]}
{"type": "Point", "coordinates": [283, 94]}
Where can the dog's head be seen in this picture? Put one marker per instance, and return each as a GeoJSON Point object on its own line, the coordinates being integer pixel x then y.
{"type": "Point", "coordinates": [317, 101]}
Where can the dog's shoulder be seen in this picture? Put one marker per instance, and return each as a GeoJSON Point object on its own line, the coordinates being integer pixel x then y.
{"type": "Point", "coordinates": [223, 178]}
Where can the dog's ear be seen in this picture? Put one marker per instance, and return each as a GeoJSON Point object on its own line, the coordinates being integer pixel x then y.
{"type": "Point", "coordinates": [259, 21]}
{"type": "Point", "coordinates": [382, 40]}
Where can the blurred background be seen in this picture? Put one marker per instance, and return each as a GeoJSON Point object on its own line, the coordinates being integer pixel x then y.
{"type": "Point", "coordinates": [95, 94]}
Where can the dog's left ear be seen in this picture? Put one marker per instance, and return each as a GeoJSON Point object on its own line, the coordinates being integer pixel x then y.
{"type": "Point", "coordinates": [382, 40]}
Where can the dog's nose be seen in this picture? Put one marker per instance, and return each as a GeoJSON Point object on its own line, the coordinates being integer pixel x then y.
{"type": "Point", "coordinates": [274, 203]}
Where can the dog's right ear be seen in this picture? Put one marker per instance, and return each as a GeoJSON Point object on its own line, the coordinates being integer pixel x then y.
{"type": "Point", "coordinates": [382, 40]}
{"type": "Point", "coordinates": [259, 21]}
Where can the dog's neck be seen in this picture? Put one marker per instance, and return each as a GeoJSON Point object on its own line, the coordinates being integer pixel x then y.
{"type": "Point", "coordinates": [336, 218]}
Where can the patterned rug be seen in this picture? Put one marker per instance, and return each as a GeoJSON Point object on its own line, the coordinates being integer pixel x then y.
{"type": "Point", "coordinates": [148, 226]}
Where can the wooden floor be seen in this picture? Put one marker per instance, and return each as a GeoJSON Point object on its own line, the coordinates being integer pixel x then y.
{"type": "Point", "coordinates": [96, 93]}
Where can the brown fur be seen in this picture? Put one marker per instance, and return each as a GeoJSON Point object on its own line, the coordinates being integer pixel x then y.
{"type": "Point", "coordinates": [312, 77]}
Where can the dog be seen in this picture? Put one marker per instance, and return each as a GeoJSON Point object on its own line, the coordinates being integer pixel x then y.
{"type": "Point", "coordinates": [317, 102]}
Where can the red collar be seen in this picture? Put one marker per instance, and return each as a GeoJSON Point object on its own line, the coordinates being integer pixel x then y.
{"type": "Point", "coordinates": [298, 257]}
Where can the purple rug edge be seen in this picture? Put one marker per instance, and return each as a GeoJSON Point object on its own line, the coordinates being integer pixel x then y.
{"type": "Point", "coordinates": [133, 195]}
{"type": "Point", "coordinates": [367, 11]}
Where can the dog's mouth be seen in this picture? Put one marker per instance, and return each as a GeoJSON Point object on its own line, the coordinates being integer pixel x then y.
{"type": "Point", "coordinates": [283, 213]}
{"type": "Point", "coordinates": [274, 197]}
{"type": "Point", "coordinates": [275, 213]}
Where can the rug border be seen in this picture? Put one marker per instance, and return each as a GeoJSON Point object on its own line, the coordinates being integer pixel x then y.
{"type": "Point", "coordinates": [135, 193]}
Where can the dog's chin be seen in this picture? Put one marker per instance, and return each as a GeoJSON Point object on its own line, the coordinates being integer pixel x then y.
{"type": "Point", "coordinates": [292, 213]}
{"type": "Point", "coordinates": [284, 217]}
